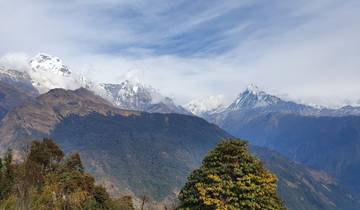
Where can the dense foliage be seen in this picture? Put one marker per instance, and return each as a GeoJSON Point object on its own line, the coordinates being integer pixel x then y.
{"type": "Point", "coordinates": [48, 180]}
{"type": "Point", "coordinates": [230, 178]}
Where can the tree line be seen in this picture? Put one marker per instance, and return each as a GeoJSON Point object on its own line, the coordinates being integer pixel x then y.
{"type": "Point", "coordinates": [230, 178]}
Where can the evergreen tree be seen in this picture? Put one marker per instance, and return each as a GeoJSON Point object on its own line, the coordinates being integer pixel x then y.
{"type": "Point", "coordinates": [230, 178]}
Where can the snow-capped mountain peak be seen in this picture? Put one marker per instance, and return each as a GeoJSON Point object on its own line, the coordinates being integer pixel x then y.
{"type": "Point", "coordinates": [45, 62]}
{"type": "Point", "coordinates": [48, 72]}
{"type": "Point", "coordinates": [134, 95]}
{"type": "Point", "coordinates": [253, 97]}
{"type": "Point", "coordinates": [253, 89]}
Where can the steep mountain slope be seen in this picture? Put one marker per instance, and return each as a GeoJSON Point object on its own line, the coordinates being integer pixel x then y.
{"type": "Point", "coordinates": [42, 115]}
{"type": "Point", "coordinates": [11, 97]}
{"type": "Point", "coordinates": [328, 143]}
{"type": "Point", "coordinates": [15, 88]}
{"type": "Point", "coordinates": [143, 153]}
{"type": "Point", "coordinates": [151, 154]}
{"type": "Point", "coordinates": [151, 150]}
{"type": "Point", "coordinates": [303, 188]}
{"type": "Point", "coordinates": [17, 79]}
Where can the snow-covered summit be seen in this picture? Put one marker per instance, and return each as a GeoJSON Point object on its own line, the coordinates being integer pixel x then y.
{"type": "Point", "coordinates": [253, 97]}
{"type": "Point", "coordinates": [46, 62]}
{"type": "Point", "coordinates": [254, 89]}
{"type": "Point", "coordinates": [48, 72]}
{"type": "Point", "coordinates": [133, 95]}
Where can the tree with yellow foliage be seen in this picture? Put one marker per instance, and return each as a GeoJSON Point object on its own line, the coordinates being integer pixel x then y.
{"type": "Point", "coordinates": [230, 178]}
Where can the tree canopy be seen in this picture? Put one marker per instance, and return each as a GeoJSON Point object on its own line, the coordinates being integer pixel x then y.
{"type": "Point", "coordinates": [46, 179]}
{"type": "Point", "coordinates": [230, 178]}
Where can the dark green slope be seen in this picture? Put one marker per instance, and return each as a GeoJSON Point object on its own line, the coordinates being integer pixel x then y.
{"type": "Point", "coordinates": [150, 153]}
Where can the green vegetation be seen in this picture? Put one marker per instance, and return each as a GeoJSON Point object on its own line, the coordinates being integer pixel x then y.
{"type": "Point", "coordinates": [150, 154]}
{"type": "Point", "coordinates": [48, 180]}
{"type": "Point", "coordinates": [230, 178]}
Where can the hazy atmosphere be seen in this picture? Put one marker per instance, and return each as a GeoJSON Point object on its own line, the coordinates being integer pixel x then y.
{"type": "Point", "coordinates": [180, 105]}
{"type": "Point", "coordinates": [303, 50]}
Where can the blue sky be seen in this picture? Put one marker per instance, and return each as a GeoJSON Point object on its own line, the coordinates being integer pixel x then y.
{"type": "Point", "coordinates": [304, 50]}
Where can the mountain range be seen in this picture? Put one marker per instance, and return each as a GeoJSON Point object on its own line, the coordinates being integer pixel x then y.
{"type": "Point", "coordinates": [323, 138]}
{"type": "Point", "coordinates": [139, 153]}
{"type": "Point", "coordinates": [46, 72]}
{"type": "Point", "coordinates": [138, 142]}
{"type": "Point", "coordinates": [255, 101]}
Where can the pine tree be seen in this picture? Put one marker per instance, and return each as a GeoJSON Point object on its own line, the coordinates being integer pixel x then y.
{"type": "Point", "coordinates": [230, 178]}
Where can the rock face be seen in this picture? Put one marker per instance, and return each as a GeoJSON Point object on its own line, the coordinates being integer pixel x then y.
{"type": "Point", "coordinates": [148, 154]}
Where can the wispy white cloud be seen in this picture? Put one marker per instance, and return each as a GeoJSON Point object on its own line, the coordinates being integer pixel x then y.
{"type": "Point", "coordinates": [307, 49]}
{"type": "Point", "coordinates": [18, 61]}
